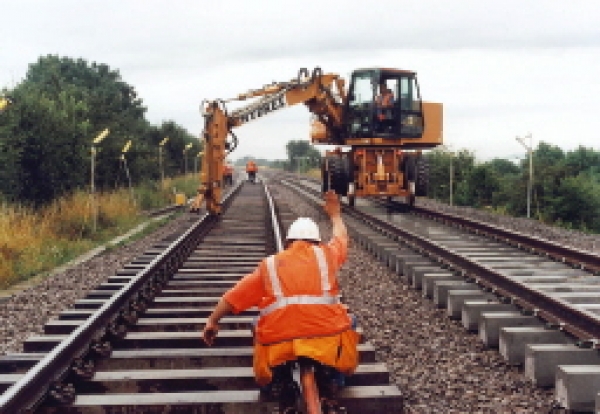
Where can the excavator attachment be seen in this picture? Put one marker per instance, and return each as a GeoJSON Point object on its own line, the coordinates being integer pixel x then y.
{"type": "Point", "coordinates": [216, 131]}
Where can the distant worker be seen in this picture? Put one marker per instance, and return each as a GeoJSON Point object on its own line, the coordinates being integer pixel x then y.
{"type": "Point", "coordinates": [296, 292]}
{"type": "Point", "coordinates": [227, 174]}
{"type": "Point", "coordinates": [384, 103]}
{"type": "Point", "coordinates": [251, 169]}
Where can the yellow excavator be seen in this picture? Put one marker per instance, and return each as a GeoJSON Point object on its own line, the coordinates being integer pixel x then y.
{"type": "Point", "coordinates": [379, 126]}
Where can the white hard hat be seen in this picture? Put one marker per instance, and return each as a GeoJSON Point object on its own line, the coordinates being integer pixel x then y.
{"type": "Point", "coordinates": [304, 228]}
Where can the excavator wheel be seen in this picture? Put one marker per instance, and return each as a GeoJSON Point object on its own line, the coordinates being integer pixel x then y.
{"type": "Point", "coordinates": [335, 175]}
{"type": "Point", "coordinates": [351, 200]}
{"type": "Point", "coordinates": [408, 167]}
{"type": "Point", "coordinates": [422, 177]}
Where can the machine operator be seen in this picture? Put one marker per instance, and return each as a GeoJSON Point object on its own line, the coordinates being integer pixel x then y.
{"type": "Point", "coordinates": [384, 102]}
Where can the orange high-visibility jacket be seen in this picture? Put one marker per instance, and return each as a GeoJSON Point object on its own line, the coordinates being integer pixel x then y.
{"type": "Point", "coordinates": [300, 314]}
{"type": "Point", "coordinates": [302, 298]}
{"type": "Point", "coordinates": [305, 302]}
{"type": "Point", "coordinates": [383, 102]}
{"type": "Point", "coordinates": [227, 169]}
{"type": "Point", "coordinates": [251, 166]}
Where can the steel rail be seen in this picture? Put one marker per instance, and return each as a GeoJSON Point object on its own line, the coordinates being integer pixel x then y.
{"type": "Point", "coordinates": [580, 258]}
{"type": "Point", "coordinates": [581, 324]}
{"type": "Point", "coordinates": [556, 312]}
{"type": "Point", "coordinates": [274, 220]}
{"type": "Point", "coordinates": [26, 393]}
{"type": "Point", "coordinates": [163, 210]}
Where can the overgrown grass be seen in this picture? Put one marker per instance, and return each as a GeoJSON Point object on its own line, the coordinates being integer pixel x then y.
{"type": "Point", "coordinates": [151, 195]}
{"type": "Point", "coordinates": [37, 241]}
{"type": "Point", "coordinates": [149, 228]}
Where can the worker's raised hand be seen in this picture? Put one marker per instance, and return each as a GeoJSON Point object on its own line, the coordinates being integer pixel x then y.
{"type": "Point", "coordinates": [210, 332]}
{"type": "Point", "coordinates": [332, 203]}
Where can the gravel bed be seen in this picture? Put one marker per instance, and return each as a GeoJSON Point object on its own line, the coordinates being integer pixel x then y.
{"type": "Point", "coordinates": [25, 313]}
{"type": "Point", "coordinates": [438, 366]}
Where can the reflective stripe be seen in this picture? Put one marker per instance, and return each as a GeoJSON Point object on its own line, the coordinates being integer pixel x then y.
{"type": "Point", "coordinates": [323, 268]}
{"type": "Point", "coordinates": [281, 302]}
{"type": "Point", "coordinates": [299, 300]}
{"type": "Point", "coordinates": [272, 270]}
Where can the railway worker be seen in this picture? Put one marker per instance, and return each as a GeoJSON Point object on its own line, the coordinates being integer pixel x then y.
{"type": "Point", "coordinates": [296, 292]}
{"type": "Point", "coordinates": [227, 174]}
{"type": "Point", "coordinates": [384, 103]}
{"type": "Point", "coordinates": [251, 170]}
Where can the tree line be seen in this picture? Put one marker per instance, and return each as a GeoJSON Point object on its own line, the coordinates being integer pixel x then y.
{"type": "Point", "coordinates": [61, 105]}
{"type": "Point", "coordinates": [565, 186]}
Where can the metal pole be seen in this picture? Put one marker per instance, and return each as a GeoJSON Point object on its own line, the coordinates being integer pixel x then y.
{"type": "Point", "coordinates": [530, 184]}
{"type": "Point", "coordinates": [92, 190]}
{"type": "Point", "coordinates": [185, 149]}
{"type": "Point", "coordinates": [95, 142]}
{"type": "Point", "coordinates": [161, 162]}
{"type": "Point", "coordinates": [529, 149]}
{"type": "Point", "coordinates": [92, 170]}
{"type": "Point", "coordinates": [451, 179]}
{"type": "Point", "coordinates": [128, 178]}
{"type": "Point", "coordinates": [162, 172]}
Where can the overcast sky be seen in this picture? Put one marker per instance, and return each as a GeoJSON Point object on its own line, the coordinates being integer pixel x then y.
{"type": "Point", "coordinates": [501, 68]}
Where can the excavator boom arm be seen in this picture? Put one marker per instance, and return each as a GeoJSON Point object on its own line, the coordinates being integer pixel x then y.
{"type": "Point", "coordinates": [316, 91]}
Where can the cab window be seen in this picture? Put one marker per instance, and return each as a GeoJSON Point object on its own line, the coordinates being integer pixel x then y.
{"type": "Point", "coordinates": [363, 90]}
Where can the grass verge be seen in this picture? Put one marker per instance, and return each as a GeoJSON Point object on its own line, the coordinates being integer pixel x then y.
{"type": "Point", "coordinates": [34, 242]}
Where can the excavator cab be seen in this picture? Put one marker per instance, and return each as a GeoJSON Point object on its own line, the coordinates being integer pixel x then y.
{"type": "Point", "coordinates": [384, 103]}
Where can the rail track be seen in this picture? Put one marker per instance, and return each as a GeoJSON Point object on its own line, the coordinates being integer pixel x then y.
{"type": "Point", "coordinates": [133, 344]}
{"type": "Point", "coordinates": [538, 302]}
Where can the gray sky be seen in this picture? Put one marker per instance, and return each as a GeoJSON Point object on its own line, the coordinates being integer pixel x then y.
{"type": "Point", "coordinates": [501, 68]}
